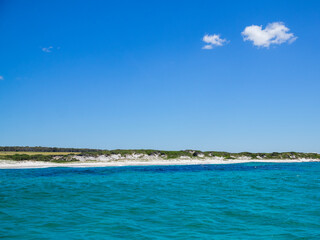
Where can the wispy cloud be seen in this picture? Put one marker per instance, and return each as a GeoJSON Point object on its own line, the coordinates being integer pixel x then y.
{"type": "Point", "coordinates": [47, 49]}
{"type": "Point", "coordinates": [274, 33]}
{"type": "Point", "coordinates": [1, 78]}
{"type": "Point", "coordinates": [208, 47]}
{"type": "Point", "coordinates": [213, 41]}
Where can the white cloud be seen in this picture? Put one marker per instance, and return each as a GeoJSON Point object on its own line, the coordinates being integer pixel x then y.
{"type": "Point", "coordinates": [274, 33]}
{"type": "Point", "coordinates": [48, 49]}
{"type": "Point", "coordinates": [1, 78]}
{"type": "Point", "coordinates": [209, 46]}
{"type": "Point", "coordinates": [213, 40]}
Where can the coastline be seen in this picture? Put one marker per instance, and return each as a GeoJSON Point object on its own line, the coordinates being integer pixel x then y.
{"type": "Point", "coordinates": [36, 164]}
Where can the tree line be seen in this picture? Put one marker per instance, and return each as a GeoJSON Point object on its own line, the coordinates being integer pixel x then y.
{"type": "Point", "coordinates": [44, 149]}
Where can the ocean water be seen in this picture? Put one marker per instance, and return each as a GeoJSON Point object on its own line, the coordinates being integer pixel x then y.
{"type": "Point", "coordinates": [236, 201]}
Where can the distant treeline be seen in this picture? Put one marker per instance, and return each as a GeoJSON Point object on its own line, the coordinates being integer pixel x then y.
{"type": "Point", "coordinates": [45, 149]}
{"type": "Point", "coordinates": [150, 152]}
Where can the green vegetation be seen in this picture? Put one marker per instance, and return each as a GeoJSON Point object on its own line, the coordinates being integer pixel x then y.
{"type": "Point", "coordinates": [68, 154]}
{"type": "Point", "coordinates": [39, 157]}
{"type": "Point", "coordinates": [43, 149]}
{"type": "Point", "coordinates": [21, 157]}
{"type": "Point", "coordinates": [37, 153]}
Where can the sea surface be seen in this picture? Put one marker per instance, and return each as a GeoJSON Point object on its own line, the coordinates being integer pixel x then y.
{"type": "Point", "coordinates": [232, 201]}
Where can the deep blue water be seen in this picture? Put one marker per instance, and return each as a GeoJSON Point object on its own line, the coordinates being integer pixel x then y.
{"type": "Point", "coordinates": [237, 201]}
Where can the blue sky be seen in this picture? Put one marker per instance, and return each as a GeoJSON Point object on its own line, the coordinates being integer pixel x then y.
{"type": "Point", "coordinates": [134, 74]}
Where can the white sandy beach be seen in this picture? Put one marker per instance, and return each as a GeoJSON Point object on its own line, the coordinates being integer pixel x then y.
{"type": "Point", "coordinates": [36, 164]}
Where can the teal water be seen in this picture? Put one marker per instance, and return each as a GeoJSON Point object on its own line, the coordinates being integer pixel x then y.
{"type": "Point", "coordinates": [237, 201]}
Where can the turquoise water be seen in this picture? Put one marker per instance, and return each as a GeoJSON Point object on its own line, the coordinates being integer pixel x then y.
{"type": "Point", "coordinates": [237, 201]}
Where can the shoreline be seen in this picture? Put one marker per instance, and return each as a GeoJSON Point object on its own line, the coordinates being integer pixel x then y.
{"type": "Point", "coordinates": [36, 164]}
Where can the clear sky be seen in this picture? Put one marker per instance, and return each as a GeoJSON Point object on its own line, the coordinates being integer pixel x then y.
{"type": "Point", "coordinates": [207, 75]}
